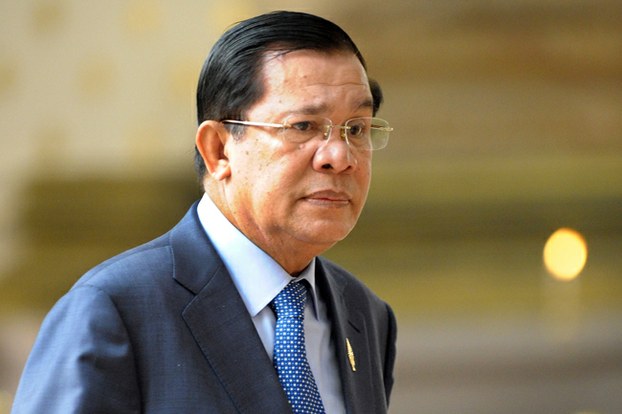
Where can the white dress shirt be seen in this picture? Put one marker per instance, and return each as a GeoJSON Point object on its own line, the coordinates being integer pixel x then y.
{"type": "Point", "coordinates": [259, 278]}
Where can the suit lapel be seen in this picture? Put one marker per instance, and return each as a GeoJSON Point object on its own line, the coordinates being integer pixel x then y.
{"type": "Point", "coordinates": [221, 325]}
{"type": "Point", "coordinates": [348, 325]}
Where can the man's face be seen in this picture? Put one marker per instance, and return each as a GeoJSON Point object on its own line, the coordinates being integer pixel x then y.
{"type": "Point", "coordinates": [288, 197]}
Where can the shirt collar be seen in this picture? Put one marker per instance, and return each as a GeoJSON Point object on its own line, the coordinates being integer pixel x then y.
{"type": "Point", "coordinates": [257, 276]}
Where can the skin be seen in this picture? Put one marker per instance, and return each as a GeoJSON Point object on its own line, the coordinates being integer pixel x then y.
{"type": "Point", "coordinates": [294, 201]}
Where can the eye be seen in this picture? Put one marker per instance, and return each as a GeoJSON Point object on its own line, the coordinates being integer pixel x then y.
{"type": "Point", "coordinates": [303, 126]}
{"type": "Point", "coordinates": [357, 129]}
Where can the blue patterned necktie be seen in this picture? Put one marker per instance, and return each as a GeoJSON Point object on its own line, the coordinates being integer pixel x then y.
{"type": "Point", "coordinates": [290, 356]}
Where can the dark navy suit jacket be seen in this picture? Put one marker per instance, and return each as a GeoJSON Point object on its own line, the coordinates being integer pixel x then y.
{"type": "Point", "coordinates": [162, 329]}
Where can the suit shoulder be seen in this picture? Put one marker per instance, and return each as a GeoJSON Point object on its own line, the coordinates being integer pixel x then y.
{"type": "Point", "coordinates": [131, 266]}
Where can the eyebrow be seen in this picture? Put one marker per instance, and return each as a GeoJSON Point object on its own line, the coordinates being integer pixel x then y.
{"type": "Point", "coordinates": [366, 103]}
{"type": "Point", "coordinates": [318, 109]}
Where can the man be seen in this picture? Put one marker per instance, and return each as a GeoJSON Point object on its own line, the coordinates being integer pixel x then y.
{"type": "Point", "coordinates": [190, 322]}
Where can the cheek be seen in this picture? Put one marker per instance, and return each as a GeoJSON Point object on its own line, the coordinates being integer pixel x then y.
{"type": "Point", "coordinates": [249, 160]}
{"type": "Point", "coordinates": [265, 180]}
{"type": "Point", "coordinates": [364, 174]}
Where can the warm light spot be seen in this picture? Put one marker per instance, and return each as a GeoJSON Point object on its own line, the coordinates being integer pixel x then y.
{"type": "Point", "coordinates": [565, 254]}
{"type": "Point", "coordinates": [48, 16]}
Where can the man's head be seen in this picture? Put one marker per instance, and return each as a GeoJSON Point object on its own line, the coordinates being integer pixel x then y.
{"type": "Point", "coordinates": [267, 98]}
{"type": "Point", "coordinates": [230, 80]}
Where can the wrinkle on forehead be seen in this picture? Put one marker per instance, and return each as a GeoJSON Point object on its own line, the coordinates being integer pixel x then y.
{"type": "Point", "coordinates": [292, 73]}
{"type": "Point", "coordinates": [312, 82]}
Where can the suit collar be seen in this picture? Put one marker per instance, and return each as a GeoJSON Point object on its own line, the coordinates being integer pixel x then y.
{"type": "Point", "coordinates": [348, 326]}
{"type": "Point", "coordinates": [194, 258]}
{"type": "Point", "coordinates": [220, 323]}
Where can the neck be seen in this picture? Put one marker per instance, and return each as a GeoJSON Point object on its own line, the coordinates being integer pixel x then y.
{"type": "Point", "coordinates": [291, 254]}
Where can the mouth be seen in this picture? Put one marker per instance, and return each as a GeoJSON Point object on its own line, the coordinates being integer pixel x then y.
{"type": "Point", "coordinates": [329, 198]}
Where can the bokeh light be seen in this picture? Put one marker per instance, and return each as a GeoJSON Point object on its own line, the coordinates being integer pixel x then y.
{"type": "Point", "coordinates": [565, 254]}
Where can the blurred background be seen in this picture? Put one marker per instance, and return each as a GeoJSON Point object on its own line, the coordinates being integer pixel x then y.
{"type": "Point", "coordinates": [508, 127]}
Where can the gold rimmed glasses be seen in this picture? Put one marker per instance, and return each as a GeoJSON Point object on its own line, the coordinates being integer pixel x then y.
{"type": "Point", "coordinates": [362, 133]}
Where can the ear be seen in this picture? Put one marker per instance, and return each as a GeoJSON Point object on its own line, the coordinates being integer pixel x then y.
{"type": "Point", "coordinates": [210, 141]}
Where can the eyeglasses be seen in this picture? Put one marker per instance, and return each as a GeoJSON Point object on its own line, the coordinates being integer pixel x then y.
{"type": "Point", "coordinates": [365, 133]}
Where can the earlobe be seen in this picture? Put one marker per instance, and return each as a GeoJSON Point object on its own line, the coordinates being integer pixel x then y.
{"type": "Point", "coordinates": [210, 141]}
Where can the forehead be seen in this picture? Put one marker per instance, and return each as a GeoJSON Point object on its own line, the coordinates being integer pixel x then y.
{"type": "Point", "coordinates": [312, 78]}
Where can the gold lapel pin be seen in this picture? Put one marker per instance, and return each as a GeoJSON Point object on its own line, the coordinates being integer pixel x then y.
{"type": "Point", "coordinates": [350, 353]}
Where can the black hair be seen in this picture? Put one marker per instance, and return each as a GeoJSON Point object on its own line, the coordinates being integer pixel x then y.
{"type": "Point", "coordinates": [230, 80]}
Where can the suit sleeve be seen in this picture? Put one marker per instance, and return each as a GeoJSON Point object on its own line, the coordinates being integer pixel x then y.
{"type": "Point", "coordinates": [82, 360]}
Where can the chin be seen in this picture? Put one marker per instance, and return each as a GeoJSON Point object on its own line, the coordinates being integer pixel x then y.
{"type": "Point", "coordinates": [327, 234]}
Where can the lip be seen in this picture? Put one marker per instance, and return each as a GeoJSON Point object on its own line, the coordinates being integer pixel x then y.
{"type": "Point", "coordinates": [329, 197]}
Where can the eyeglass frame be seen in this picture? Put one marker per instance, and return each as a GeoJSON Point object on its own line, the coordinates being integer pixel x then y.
{"type": "Point", "coordinates": [330, 125]}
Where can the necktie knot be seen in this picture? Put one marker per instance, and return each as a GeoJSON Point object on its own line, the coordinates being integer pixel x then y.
{"type": "Point", "coordinates": [290, 302]}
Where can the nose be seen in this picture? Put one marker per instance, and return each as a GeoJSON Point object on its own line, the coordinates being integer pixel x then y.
{"type": "Point", "coordinates": [334, 154]}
